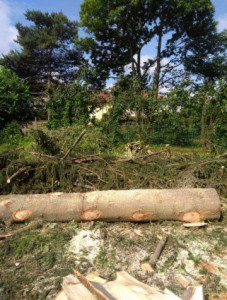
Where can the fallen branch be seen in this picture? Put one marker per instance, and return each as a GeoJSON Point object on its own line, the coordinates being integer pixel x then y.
{"type": "Point", "coordinates": [92, 172]}
{"type": "Point", "coordinates": [203, 163]}
{"type": "Point", "coordinates": [85, 159]}
{"type": "Point", "coordinates": [21, 170]}
{"type": "Point", "coordinates": [40, 155]}
{"type": "Point", "coordinates": [32, 225]}
{"type": "Point", "coordinates": [143, 156]}
{"type": "Point", "coordinates": [97, 293]}
{"type": "Point", "coordinates": [158, 251]}
{"type": "Point", "coordinates": [74, 145]}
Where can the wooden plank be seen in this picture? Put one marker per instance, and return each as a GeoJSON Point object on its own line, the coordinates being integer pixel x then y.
{"type": "Point", "coordinates": [127, 287]}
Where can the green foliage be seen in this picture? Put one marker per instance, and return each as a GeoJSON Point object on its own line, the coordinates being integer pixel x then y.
{"type": "Point", "coordinates": [94, 141]}
{"type": "Point", "coordinates": [11, 133]}
{"type": "Point", "coordinates": [135, 114]}
{"type": "Point", "coordinates": [127, 98]}
{"type": "Point", "coordinates": [48, 54]}
{"type": "Point", "coordinates": [44, 143]}
{"type": "Point", "coordinates": [195, 258]}
{"type": "Point", "coordinates": [69, 105]}
{"type": "Point", "coordinates": [15, 99]}
{"type": "Point", "coordinates": [177, 118]}
{"type": "Point", "coordinates": [120, 29]}
{"type": "Point", "coordinates": [213, 97]}
{"type": "Point", "coordinates": [213, 66]}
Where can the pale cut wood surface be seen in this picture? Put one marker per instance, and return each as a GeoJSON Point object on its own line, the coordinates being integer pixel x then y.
{"type": "Point", "coordinates": [187, 205]}
{"type": "Point", "coordinates": [125, 287]}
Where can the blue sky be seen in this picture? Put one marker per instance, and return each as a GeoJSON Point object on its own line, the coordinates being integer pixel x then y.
{"type": "Point", "coordinates": [12, 11]}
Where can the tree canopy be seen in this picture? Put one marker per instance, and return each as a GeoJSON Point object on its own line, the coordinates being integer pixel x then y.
{"type": "Point", "coordinates": [48, 53]}
{"type": "Point", "coordinates": [178, 30]}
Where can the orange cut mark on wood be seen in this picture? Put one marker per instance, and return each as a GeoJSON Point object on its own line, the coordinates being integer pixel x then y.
{"type": "Point", "coordinates": [90, 214]}
{"type": "Point", "coordinates": [191, 217]}
{"type": "Point", "coordinates": [140, 215]}
{"type": "Point", "coordinates": [21, 215]}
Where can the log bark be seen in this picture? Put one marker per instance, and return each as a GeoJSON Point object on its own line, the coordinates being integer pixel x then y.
{"type": "Point", "coordinates": [186, 205]}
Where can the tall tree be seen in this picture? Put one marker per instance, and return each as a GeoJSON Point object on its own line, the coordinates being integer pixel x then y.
{"type": "Point", "coordinates": [118, 31]}
{"type": "Point", "coordinates": [48, 53]}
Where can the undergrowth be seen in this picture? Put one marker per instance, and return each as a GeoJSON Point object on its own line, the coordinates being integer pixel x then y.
{"type": "Point", "coordinates": [39, 168]}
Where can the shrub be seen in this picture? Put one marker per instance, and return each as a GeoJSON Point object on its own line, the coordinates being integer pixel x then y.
{"type": "Point", "coordinates": [15, 99]}
{"type": "Point", "coordinates": [69, 105]}
{"type": "Point", "coordinates": [11, 134]}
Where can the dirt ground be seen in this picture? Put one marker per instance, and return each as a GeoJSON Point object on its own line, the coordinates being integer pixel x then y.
{"type": "Point", "coordinates": [33, 263]}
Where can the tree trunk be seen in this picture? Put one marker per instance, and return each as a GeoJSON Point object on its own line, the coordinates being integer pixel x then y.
{"type": "Point", "coordinates": [49, 81]}
{"type": "Point", "coordinates": [203, 124]}
{"type": "Point", "coordinates": [158, 68]}
{"type": "Point", "coordinates": [187, 205]}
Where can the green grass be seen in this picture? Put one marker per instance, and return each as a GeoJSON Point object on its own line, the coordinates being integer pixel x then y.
{"type": "Point", "coordinates": [26, 257]}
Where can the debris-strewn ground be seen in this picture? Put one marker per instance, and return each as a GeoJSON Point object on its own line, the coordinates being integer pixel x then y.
{"type": "Point", "coordinates": [33, 263]}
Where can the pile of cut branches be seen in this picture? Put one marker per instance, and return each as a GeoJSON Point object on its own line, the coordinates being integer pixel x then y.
{"type": "Point", "coordinates": [50, 169]}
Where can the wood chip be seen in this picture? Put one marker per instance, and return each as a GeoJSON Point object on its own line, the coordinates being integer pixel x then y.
{"type": "Point", "coordinates": [209, 267]}
{"type": "Point", "coordinates": [138, 232]}
{"type": "Point", "coordinates": [195, 224]}
{"type": "Point", "coordinates": [183, 281]}
{"type": "Point", "coordinates": [147, 267]}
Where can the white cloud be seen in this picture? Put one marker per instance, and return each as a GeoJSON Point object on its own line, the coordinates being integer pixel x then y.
{"type": "Point", "coordinates": [222, 22]}
{"type": "Point", "coordinates": [164, 90]}
{"type": "Point", "coordinates": [145, 58]}
{"type": "Point", "coordinates": [109, 84]}
{"type": "Point", "coordinates": [7, 32]}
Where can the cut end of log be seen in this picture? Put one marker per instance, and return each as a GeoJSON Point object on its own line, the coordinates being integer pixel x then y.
{"type": "Point", "coordinates": [21, 215]}
{"type": "Point", "coordinates": [5, 202]}
{"type": "Point", "coordinates": [140, 215]}
{"type": "Point", "coordinates": [191, 217]}
{"type": "Point", "coordinates": [91, 215]}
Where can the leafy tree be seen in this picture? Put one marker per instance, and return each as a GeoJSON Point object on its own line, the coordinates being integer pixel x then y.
{"type": "Point", "coordinates": [118, 31]}
{"type": "Point", "coordinates": [69, 105]}
{"type": "Point", "coordinates": [213, 66]}
{"type": "Point", "coordinates": [48, 54]}
{"type": "Point", "coordinates": [15, 99]}
{"type": "Point", "coordinates": [213, 100]}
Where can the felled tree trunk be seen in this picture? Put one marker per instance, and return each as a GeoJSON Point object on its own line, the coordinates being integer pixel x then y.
{"type": "Point", "coordinates": [187, 205]}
